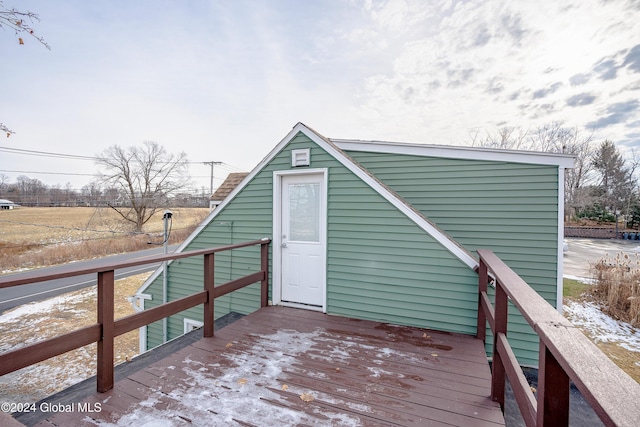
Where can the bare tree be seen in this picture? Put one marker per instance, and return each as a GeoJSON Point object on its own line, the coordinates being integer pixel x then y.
{"type": "Point", "coordinates": [5, 129]}
{"type": "Point", "coordinates": [91, 194]}
{"type": "Point", "coordinates": [505, 137]}
{"type": "Point", "coordinates": [4, 180]}
{"type": "Point", "coordinates": [20, 22]}
{"type": "Point", "coordinates": [552, 137]}
{"type": "Point", "coordinates": [146, 176]}
{"type": "Point", "coordinates": [555, 138]}
{"type": "Point", "coordinates": [32, 191]}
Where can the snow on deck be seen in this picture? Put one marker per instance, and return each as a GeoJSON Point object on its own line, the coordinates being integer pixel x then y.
{"type": "Point", "coordinates": [282, 366]}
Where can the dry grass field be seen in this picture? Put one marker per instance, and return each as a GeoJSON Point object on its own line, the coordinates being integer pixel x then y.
{"type": "Point", "coordinates": [37, 237]}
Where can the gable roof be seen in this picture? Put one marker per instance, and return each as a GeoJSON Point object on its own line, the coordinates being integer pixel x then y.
{"type": "Point", "coordinates": [335, 148]}
{"type": "Point", "coordinates": [336, 152]}
{"type": "Point", "coordinates": [387, 193]}
{"type": "Point", "coordinates": [231, 182]}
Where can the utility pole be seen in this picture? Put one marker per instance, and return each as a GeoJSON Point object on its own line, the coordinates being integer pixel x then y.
{"type": "Point", "coordinates": [166, 218]}
{"type": "Point", "coordinates": [212, 164]}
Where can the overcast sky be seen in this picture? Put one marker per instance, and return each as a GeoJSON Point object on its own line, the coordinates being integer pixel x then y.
{"type": "Point", "coordinates": [226, 80]}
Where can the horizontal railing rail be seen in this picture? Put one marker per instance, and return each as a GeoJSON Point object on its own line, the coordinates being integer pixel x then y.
{"type": "Point", "coordinates": [565, 355]}
{"type": "Point", "coordinates": [104, 331]}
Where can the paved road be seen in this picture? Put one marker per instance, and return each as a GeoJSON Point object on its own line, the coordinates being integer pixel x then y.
{"type": "Point", "coordinates": [18, 295]}
{"type": "Point", "coordinates": [583, 253]}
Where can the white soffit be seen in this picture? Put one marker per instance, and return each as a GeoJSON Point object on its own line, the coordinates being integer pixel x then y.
{"type": "Point", "coordinates": [455, 152]}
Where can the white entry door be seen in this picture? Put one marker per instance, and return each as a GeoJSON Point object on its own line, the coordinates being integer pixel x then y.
{"type": "Point", "coordinates": [302, 243]}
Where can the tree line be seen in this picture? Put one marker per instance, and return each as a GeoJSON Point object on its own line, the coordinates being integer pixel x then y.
{"type": "Point", "coordinates": [136, 182]}
{"type": "Point", "coordinates": [601, 186]}
{"type": "Point", "coordinates": [32, 192]}
{"type": "Point", "coordinates": [140, 180]}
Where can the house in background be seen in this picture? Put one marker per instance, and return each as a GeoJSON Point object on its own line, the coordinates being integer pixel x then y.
{"type": "Point", "coordinates": [231, 181]}
{"type": "Point", "coordinates": [381, 231]}
{"type": "Point", "coordinates": [7, 204]}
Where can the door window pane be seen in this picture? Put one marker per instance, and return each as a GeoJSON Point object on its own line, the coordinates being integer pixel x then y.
{"type": "Point", "coordinates": [304, 212]}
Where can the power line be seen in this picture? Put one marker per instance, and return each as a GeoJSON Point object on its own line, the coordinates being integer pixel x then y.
{"type": "Point", "coordinates": [81, 174]}
{"type": "Point", "coordinates": [49, 173]}
{"type": "Point", "coordinates": [224, 166]}
{"type": "Point", "coordinates": [231, 168]}
{"type": "Point", "coordinates": [46, 154]}
{"type": "Point", "coordinates": [78, 157]}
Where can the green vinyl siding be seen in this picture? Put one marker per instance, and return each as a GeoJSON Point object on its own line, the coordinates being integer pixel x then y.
{"type": "Point", "coordinates": [380, 264]}
{"type": "Point", "coordinates": [247, 218]}
{"type": "Point", "coordinates": [509, 208]}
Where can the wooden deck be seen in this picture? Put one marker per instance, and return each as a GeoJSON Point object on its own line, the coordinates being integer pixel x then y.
{"type": "Point", "coordinates": [283, 366]}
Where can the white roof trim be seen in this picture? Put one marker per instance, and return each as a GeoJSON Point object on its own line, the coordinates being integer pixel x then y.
{"type": "Point", "coordinates": [334, 147]}
{"type": "Point", "coordinates": [456, 152]}
{"type": "Point", "coordinates": [411, 213]}
{"type": "Point", "coordinates": [226, 201]}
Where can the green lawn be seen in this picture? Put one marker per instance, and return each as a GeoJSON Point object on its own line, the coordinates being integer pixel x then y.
{"type": "Point", "coordinates": [573, 289]}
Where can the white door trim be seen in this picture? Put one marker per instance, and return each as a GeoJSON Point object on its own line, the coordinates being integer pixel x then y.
{"type": "Point", "coordinates": [276, 295]}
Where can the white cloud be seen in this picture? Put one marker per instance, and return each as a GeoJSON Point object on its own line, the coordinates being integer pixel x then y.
{"type": "Point", "coordinates": [226, 81]}
{"type": "Point", "coordinates": [483, 63]}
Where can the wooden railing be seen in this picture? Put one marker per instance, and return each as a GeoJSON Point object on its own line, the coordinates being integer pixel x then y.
{"type": "Point", "coordinates": [565, 355]}
{"type": "Point", "coordinates": [106, 329]}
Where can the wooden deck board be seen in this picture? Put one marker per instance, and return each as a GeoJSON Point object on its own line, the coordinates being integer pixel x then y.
{"type": "Point", "coordinates": [350, 372]}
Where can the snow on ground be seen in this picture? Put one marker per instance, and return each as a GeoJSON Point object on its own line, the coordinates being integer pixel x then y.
{"type": "Point", "coordinates": [40, 308]}
{"type": "Point", "coordinates": [241, 391]}
{"type": "Point", "coordinates": [30, 323]}
{"type": "Point", "coordinates": [601, 327]}
{"type": "Point", "coordinates": [37, 321]}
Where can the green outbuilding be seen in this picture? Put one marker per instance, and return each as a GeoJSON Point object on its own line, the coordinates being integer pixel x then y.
{"type": "Point", "coordinates": [378, 230]}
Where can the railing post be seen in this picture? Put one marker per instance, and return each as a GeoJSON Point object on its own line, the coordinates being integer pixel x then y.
{"type": "Point", "coordinates": [209, 284]}
{"type": "Point", "coordinates": [264, 267]}
{"type": "Point", "coordinates": [553, 391]}
{"type": "Point", "coordinates": [483, 279]}
{"type": "Point", "coordinates": [498, 373]}
{"type": "Point", "coordinates": [105, 319]}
